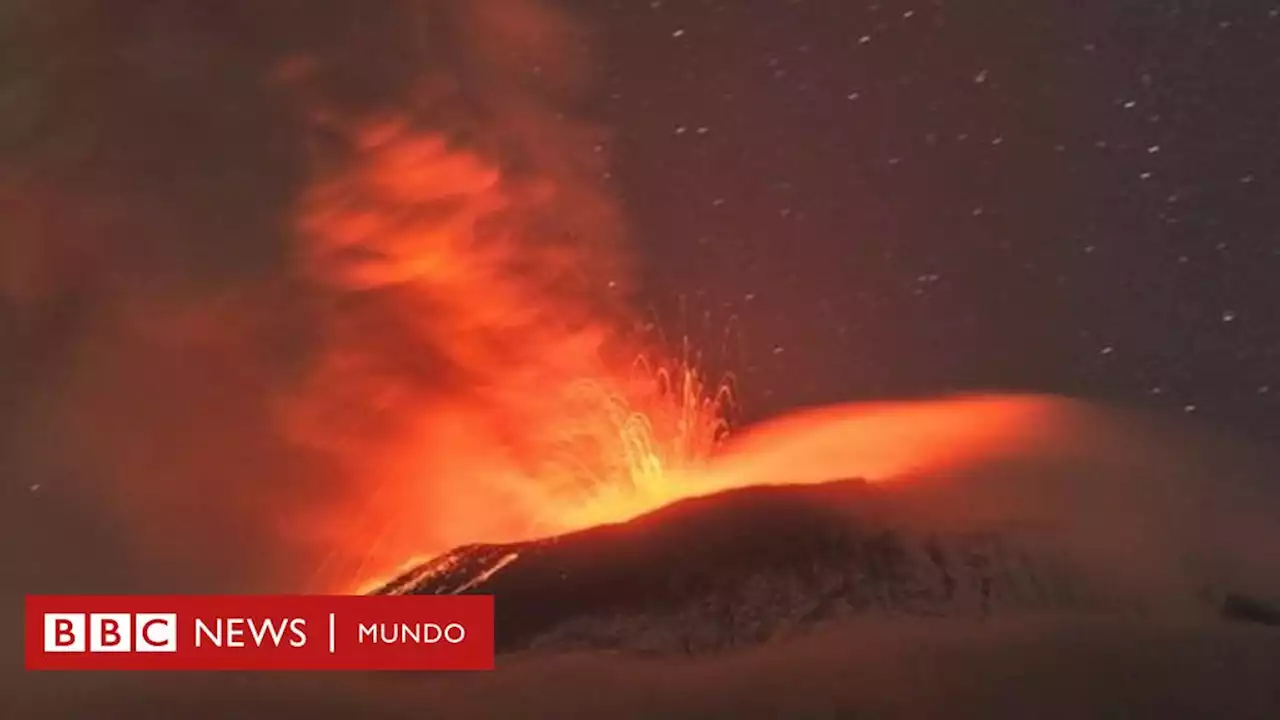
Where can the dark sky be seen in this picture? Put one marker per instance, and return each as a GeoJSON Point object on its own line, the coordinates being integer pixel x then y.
{"type": "Point", "coordinates": [899, 198]}
{"type": "Point", "coordinates": [870, 199]}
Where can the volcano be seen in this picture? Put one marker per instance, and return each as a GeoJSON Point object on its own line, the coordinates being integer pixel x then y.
{"type": "Point", "coordinates": [751, 565]}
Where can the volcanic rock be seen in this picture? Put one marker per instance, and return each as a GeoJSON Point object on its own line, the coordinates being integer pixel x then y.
{"type": "Point", "coordinates": [750, 565]}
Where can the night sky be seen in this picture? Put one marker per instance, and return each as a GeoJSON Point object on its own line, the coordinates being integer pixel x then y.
{"type": "Point", "coordinates": [833, 200]}
{"type": "Point", "coordinates": [900, 198]}
{"type": "Point", "coordinates": [836, 201]}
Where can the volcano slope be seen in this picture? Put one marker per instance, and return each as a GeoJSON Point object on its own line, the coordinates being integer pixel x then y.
{"type": "Point", "coordinates": [747, 566]}
{"type": "Point", "coordinates": [1123, 524]}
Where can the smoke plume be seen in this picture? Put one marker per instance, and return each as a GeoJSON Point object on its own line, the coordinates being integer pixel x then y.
{"type": "Point", "coordinates": [253, 255]}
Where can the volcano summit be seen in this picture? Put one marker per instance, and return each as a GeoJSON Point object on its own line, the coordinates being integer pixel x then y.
{"type": "Point", "coordinates": [750, 565]}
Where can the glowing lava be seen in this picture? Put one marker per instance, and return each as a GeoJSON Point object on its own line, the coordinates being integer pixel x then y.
{"type": "Point", "coordinates": [464, 381]}
{"type": "Point", "coordinates": [882, 440]}
{"type": "Point", "coordinates": [870, 441]}
{"type": "Point", "coordinates": [613, 454]}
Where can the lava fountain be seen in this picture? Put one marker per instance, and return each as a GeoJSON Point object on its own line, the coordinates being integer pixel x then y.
{"type": "Point", "coordinates": [466, 392]}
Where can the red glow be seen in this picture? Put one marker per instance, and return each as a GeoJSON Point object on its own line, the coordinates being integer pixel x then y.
{"type": "Point", "coordinates": [463, 391]}
{"type": "Point", "coordinates": [462, 386]}
{"type": "Point", "coordinates": [880, 441]}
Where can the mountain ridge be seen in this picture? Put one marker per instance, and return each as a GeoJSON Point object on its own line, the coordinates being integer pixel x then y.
{"type": "Point", "coordinates": [746, 566]}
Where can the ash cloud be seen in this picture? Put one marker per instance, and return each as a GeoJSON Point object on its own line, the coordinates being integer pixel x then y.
{"type": "Point", "coordinates": [153, 309]}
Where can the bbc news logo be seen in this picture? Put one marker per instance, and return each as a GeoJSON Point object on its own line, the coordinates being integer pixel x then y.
{"type": "Point", "coordinates": [110, 632]}
{"type": "Point", "coordinates": [434, 632]}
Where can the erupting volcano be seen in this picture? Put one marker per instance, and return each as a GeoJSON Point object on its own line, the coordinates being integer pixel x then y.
{"type": "Point", "coordinates": [475, 382]}
{"type": "Point", "coordinates": [762, 421]}
{"type": "Point", "coordinates": [475, 395]}
{"type": "Point", "coordinates": [471, 371]}
{"type": "Point", "coordinates": [465, 382]}
{"type": "Point", "coordinates": [966, 508]}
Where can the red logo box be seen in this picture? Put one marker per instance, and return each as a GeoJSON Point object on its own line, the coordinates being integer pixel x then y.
{"type": "Point", "coordinates": [259, 632]}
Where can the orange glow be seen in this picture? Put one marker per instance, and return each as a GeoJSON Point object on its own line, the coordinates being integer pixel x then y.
{"type": "Point", "coordinates": [462, 383]}
{"type": "Point", "coordinates": [870, 441]}
{"type": "Point", "coordinates": [463, 388]}
{"type": "Point", "coordinates": [882, 440]}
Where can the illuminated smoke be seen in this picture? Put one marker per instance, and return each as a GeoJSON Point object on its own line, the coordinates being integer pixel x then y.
{"type": "Point", "coordinates": [266, 286]}
{"type": "Point", "coordinates": [470, 379]}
